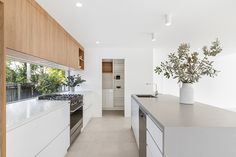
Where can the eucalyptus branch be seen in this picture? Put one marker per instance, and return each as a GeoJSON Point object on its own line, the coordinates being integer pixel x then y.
{"type": "Point", "coordinates": [188, 67]}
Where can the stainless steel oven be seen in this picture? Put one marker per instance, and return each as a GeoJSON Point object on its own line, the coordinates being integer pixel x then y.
{"type": "Point", "coordinates": [76, 121]}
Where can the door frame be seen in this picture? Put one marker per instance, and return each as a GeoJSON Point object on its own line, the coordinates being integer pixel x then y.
{"type": "Point", "coordinates": [114, 58]}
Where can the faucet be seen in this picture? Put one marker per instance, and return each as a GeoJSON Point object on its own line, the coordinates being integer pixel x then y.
{"type": "Point", "coordinates": [156, 91]}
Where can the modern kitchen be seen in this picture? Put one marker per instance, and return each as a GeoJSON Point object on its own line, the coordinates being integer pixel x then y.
{"type": "Point", "coordinates": [117, 78]}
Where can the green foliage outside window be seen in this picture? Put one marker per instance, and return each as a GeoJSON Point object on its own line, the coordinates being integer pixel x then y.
{"type": "Point", "coordinates": [16, 72]}
{"type": "Point", "coordinates": [45, 79]}
{"type": "Point", "coordinates": [50, 80]}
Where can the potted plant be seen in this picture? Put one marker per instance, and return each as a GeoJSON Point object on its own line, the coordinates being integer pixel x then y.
{"type": "Point", "coordinates": [73, 81]}
{"type": "Point", "coordinates": [189, 67]}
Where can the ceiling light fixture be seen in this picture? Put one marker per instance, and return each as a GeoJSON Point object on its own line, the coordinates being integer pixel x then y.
{"type": "Point", "coordinates": [79, 4]}
{"type": "Point", "coordinates": [168, 19]}
{"type": "Point", "coordinates": [154, 37]}
{"type": "Point", "coordinates": [97, 42]}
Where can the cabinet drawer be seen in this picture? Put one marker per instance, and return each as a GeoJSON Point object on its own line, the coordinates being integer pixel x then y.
{"type": "Point", "coordinates": [155, 133]}
{"type": "Point", "coordinates": [152, 148]}
{"type": "Point", "coordinates": [149, 153]}
{"type": "Point", "coordinates": [58, 147]}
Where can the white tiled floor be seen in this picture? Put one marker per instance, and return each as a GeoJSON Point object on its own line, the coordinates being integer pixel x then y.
{"type": "Point", "coordinates": [109, 136]}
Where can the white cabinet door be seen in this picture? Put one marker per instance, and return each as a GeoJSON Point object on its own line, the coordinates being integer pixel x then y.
{"type": "Point", "coordinates": [107, 99]}
{"type": "Point", "coordinates": [87, 115]}
{"type": "Point", "coordinates": [149, 153]}
{"type": "Point", "coordinates": [153, 149]}
{"type": "Point", "coordinates": [88, 108]}
{"type": "Point", "coordinates": [58, 147]}
{"type": "Point", "coordinates": [135, 119]}
{"type": "Point", "coordinates": [28, 140]}
{"type": "Point", "coordinates": [155, 132]}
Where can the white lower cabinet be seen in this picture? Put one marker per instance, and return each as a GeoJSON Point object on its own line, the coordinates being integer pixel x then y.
{"type": "Point", "coordinates": [152, 148]}
{"type": "Point", "coordinates": [107, 99]}
{"type": "Point", "coordinates": [87, 115]}
{"type": "Point", "coordinates": [58, 147]}
{"type": "Point", "coordinates": [155, 132]}
{"type": "Point", "coordinates": [149, 153]}
{"type": "Point", "coordinates": [88, 108]}
{"type": "Point", "coordinates": [37, 135]}
{"type": "Point", "coordinates": [135, 119]}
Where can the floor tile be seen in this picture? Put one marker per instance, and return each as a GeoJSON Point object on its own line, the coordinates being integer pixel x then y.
{"type": "Point", "coordinates": [109, 136]}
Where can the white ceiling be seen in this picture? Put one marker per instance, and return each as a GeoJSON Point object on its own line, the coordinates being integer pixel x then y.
{"type": "Point", "coordinates": [129, 23]}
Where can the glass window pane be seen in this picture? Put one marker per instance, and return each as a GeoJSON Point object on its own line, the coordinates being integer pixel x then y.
{"type": "Point", "coordinates": [25, 80]}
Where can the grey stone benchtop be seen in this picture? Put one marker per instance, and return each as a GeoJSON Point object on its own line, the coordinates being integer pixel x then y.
{"type": "Point", "coordinates": [168, 112]}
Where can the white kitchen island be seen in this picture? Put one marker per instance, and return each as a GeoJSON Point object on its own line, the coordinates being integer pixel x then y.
{"type": "Point", "coordinates": [38, 128]}
{"type": "Point", "coordinates": [176, 130]}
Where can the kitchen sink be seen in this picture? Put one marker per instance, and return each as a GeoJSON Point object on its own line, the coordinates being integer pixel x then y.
{"type": "Point", "coordinates": [146, 96]}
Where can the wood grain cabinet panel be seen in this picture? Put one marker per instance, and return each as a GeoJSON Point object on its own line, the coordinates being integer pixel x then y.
{"type": "Point", "coordinates": [51, 42]}
{"type": "Point", "coordinates": [73, 55]}
{"type": "Point", "coordinates": [31, 30]}
{"type": "Point", "coordinates": [10, 23]}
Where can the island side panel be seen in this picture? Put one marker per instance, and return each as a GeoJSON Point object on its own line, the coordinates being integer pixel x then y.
{"type": "Point", "coordinates": [200, 142]}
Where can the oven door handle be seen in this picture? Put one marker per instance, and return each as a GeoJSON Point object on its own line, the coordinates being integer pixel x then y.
{"type": "Point", "coordinates": [76, 109]}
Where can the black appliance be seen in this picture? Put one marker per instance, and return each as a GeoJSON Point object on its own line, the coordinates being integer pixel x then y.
{"type": "Point", "coordinates": [117, 77]}
{"type": "Point", "coordinates": [76, 111]}
{"type": "Point", "coordinates": [142, 134]}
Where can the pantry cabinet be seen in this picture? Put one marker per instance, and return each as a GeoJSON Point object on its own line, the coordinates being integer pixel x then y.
{"type": "Point", "coordinates": [32, 31]}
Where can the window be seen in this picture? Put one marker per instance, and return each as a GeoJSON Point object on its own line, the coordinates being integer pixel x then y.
{"type": "Point", "coordinates": [25, 80]}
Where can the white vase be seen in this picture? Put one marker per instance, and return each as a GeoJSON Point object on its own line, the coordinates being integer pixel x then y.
{"type": "Point", "coordinates": [187, 94]}
{"type": "Point", "coordinates": [72, 89]}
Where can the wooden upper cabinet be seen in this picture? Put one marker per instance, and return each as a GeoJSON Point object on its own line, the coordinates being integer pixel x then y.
{"type": "Point", "coordinates": [73, 54]}
{"type": "Point", "coordinates": [18, 25]}
{"type": "Point", "coordinates": [31, 30]}
{"type": "Point", "coordinates": [11, 20]}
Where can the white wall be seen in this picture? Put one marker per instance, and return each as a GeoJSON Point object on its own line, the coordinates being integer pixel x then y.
{"type": "Point", "coordinates": [218, 91]}
{"type": "Point", "coordinates": [138, 72]}
{"type": "Point", "coordinates": [199, 23]}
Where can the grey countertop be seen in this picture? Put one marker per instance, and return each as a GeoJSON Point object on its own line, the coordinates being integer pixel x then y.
{"type": "Point", "coordinates": [166, 111]}
{"type": "Point", "coordinates": [22, 112]}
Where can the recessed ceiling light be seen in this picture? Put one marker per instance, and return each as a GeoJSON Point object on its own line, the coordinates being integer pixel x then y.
{"type": "Point", "coordinates": [154, 38]}
{"type": "Point", "coordinates": [79, 4]}
{"type": "Point", "coordinates": [168, 19]}
{"type": "Point", "coordinates": [97, 42]}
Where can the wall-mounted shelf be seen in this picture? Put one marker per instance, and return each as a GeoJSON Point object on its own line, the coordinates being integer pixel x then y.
{"type": "Point", "coordinates": [107, 67]}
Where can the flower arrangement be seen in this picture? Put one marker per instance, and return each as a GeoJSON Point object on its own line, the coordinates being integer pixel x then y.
{"type": "Point", "coordinates": [188, 67]}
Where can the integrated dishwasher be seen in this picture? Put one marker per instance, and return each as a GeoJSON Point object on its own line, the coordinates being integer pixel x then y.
{"type": "Point", "coordinates": [142, 134]}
